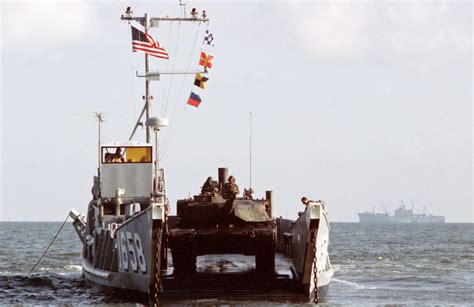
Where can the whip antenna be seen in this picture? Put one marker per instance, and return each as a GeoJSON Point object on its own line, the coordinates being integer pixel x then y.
{"type": "Point", "coordinates": [100, 120]}
{"type": "Point", "coordinates": [250, 154]}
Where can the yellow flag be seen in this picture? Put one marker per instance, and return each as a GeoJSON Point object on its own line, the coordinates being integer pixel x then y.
{"type": "Point", "coordinates": [200, 81]}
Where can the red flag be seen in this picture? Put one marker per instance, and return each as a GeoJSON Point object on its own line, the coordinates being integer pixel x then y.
{"type": "Point", "coordinates": [206, 60]}
{"type": "Point", "coordinates": [194, 100]}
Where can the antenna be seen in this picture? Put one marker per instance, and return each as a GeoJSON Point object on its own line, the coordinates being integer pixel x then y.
{"type": "Point", "coordinates": [100, 120]}
{"type": "Point", "coordinates": [181, 3]}
{"type": "Point", "coordinates": [250, 153]}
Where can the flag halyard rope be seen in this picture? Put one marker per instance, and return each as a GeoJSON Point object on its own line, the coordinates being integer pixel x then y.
{"type": "Point", "coordinates": [165, 93]}
{"type": "Point", "coordinates": [174, 127]}
{"type": "Point", "coordinates": [174, 63]}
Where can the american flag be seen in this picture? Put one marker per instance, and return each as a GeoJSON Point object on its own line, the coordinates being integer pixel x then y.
{"type": "Point", "coordinates": [146, 43]}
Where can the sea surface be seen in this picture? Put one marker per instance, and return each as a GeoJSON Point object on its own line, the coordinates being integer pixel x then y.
{"type": "Point", "coordinates": [374, 264]}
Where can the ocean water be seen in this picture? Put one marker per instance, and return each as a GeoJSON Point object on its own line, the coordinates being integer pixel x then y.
{"type": "Point", "coordinates": [374, 264]}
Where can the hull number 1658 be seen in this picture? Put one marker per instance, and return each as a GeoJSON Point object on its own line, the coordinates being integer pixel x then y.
{"type": "Point", "coordinates": [130, 249]}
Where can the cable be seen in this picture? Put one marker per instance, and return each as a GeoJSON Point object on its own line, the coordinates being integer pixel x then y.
{"type": "Point", "coordinates": [41, 258]}
{"type": "Point", "coordinates": [181, 112]}
{"type": "Point", "coordinates": [174, 62]}
{"type": "Point", "coordinates": [167, 80]}
{"type": "Point", "coordinates": [172, 133]}
{"type": "Point", "coordinates": [132, 68]}
{"type": "Point", "coordinates": [181, 90]}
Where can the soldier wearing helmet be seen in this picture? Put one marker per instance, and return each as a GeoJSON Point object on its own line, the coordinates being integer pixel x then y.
{"type": "Point", "coordinates": [230, 192]}
{"type": "Point", "coordinates": [209, 187]}
{"type": "Point", "coordinates": [231, 189]}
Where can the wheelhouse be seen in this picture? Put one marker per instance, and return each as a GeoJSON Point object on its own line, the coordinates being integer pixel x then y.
{"type": "Point", "coordinates": [127, 168]}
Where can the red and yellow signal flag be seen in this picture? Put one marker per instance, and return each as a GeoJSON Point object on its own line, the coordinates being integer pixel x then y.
{"type": "Point", "coordinates": [206, 60]}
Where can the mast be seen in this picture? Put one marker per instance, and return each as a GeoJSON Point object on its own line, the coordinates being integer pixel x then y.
{"type": "Point", "coordinates": [157, 123]}
{"type": "Point", "coordinates": [100, 119]}
{"type": "Point", "coordinates": [98, 137]}
{"type": "Point", "coordinates": [250, 154]}
{"type": "Point", "coordinates": [147, 83]}
{"type": "Point", "coordinates": [150, 22]}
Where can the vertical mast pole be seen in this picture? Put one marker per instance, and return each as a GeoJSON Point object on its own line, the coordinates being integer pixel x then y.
{"type": "Point", "coordinates": [98, 140]}
{"type": "Point", "coordinates": [250, 150]}
{"type": "Point", "coordinates": [147, 83]}
{"type": "Point", "coordinates": [157, 162]}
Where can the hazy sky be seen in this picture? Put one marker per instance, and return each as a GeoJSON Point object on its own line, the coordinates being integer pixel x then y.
{"type": "Point", "coordinates": [358, 104]}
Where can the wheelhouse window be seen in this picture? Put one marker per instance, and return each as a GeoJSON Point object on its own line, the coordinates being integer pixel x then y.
{"type": "Point", "coordinates": [115, 154]}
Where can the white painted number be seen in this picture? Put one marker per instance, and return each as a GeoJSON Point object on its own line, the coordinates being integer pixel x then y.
{"type": "Point", "coordinates": [140, 256]}
{"type": "Point", "coordinates": [123, 251]}
{"type": "Point", "coordinates": [131, 252]}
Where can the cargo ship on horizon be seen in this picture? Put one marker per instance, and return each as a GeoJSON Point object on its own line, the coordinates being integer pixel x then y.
{"type": "Point", "coordinates": [401, 215]}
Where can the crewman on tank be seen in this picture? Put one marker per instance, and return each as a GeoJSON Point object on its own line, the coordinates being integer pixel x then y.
{"type": "Point", "coordinates": [248, 193]}
{"type": "Point", "coordinates": [209, 187]}
{"type": "Point", "coordinates": [230, 192]}
{"type": "Point", "coordinates": [231, 189]}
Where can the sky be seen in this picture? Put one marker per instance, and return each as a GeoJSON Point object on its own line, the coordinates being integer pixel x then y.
{"type": "Point", "coordinates": [360, 104]}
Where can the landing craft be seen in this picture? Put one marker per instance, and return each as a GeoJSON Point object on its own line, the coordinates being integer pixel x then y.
{"type": "Point", "coordinates": [131, 242]}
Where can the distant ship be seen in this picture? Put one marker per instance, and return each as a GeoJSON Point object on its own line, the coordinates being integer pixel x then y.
{"type": "Point", "coordinates": [402, 215]}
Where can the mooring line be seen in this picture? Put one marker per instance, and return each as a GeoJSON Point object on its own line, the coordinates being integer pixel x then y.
{"type": "Point", "coordinates": [41, 258]}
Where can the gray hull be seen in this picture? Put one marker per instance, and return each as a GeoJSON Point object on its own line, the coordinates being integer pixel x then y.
{"type": "Point", "coordinates": [130, 257]}
{"type": "Point", "coordinates": [122, 256]}
{"type": "Point", "coordinates": [385, 219]}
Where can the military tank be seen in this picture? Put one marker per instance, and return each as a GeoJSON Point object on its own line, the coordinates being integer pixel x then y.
{"type": "Point", "coordinates": [217, 222]}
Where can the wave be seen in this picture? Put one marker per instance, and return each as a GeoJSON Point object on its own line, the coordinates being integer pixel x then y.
{"type": "Point", "coordinates": [350, 283]}
{"type": "Point", "coordinates": [73, 267]}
